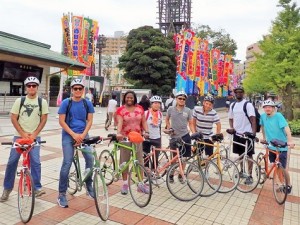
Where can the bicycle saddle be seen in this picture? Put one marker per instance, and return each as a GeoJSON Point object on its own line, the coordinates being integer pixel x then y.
{"type": "Point", "coordinates": [217, 137]}
{"type": "Point", "coordinates": [113, 137]}
{"type": "Point", "coordinates": [91, 140]}
{"type": "Point", "coordinates": [278, 143]}
{"type": "Point", "coordinates": [197, 136]}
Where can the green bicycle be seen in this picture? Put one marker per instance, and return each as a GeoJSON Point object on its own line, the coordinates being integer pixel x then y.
{"type": "Point", "coordinates": [138, 176]}
{"type": "Point", "coordinates": [77, 181]}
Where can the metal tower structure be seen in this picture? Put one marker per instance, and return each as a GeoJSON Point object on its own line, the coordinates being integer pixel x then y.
{"type": "Point", "coordinates": [173, 15]}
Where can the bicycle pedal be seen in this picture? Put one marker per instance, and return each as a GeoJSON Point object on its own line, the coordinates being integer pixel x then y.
{"type": "Point", "coordinates": [18, 174]}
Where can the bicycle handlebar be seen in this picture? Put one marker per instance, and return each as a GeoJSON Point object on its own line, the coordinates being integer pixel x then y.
{"type": "Point", "coordinates": [23, 146]}
{"type": "Point", "coordinates": [246, 135]}
{"type": "Point", "coordinates": [275, 142]}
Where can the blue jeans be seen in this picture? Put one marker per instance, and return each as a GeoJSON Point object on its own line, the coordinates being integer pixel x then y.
{"type": "Point", "coordinates": [68, 155]}
{"type": "Point", "coordinates": [35, 167]}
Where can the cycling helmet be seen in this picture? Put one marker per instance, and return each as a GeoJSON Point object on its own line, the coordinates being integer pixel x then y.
{"type": "Point", "coordinates": [31, 80]}
{"type": "Point", "coordinates": [180, 93]}
{"type": "Point", "coordinates": [155, 98]}
{"type": "Point", "coordinates": [209, 98]}
{"type": "Point", "coordinates": [77, 81]}
{"type": "Point", "coordinates": [268, 103]}
{"type": "Point", "coordinates": [238, 88]}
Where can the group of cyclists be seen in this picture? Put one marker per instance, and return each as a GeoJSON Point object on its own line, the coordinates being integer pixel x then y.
{"type": "Point", "coordinates": [76, 119]}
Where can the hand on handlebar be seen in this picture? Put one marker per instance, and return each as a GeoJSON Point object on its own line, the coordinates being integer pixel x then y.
{"type": "Point", "coordinates": [231, 131]}
{"type": "Point", "coordinates": [291, 144]}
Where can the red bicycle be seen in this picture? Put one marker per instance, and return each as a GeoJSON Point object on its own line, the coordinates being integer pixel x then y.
{"type": "Point", "coordinates": [26, 196]}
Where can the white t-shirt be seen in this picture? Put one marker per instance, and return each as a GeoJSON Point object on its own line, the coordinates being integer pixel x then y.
{"type": "Point", "coordinates": [240, 121]}
{"type": "Point", "coordinates": [89, 96]}
{"type": "Point", "coordinates": [112, 105]}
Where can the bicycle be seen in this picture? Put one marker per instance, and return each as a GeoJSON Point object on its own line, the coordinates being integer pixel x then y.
{"type": "Point", "coordinates": [279, 173]}
{"type": "Point", "coordinates": [76, 181]}
{"type": "Point", "coordinates": [138, 175]}
{"type": "Point", "coordinates": [212, 173]}
{"type": "Point", "coordinates": [190, 178]}
{"type": "Point", "coordinates": [26, 195]}
{"type": "Point", "coordinates": [248, 180]}
{"type": "Point", "coordinates": [229, 171]}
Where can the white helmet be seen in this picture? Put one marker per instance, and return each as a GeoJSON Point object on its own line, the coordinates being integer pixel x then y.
{"type": "Point", "coordinates": [268, 103]}
{"type": "Point", "coordinates": [77, 81]}
{"type": "Point", "coordinates": [180, 93]}
{"type": "Point", "coordinates": [155, 98]}
{"type": "Point", "coordinates": [31, 80]}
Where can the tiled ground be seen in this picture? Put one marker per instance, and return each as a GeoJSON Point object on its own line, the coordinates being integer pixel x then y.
{"type": "Point", "coordinates": [258, 207]}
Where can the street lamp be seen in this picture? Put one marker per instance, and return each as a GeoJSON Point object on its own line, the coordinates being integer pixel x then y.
{"type": "Point", "coordinates": [101, 43]}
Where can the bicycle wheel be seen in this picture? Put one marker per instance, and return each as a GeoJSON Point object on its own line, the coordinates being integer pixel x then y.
{"type": "Point", "coordinates": [107, 165]}
{"type": "Point", "coordinates": [162, 160]}
{"type": "Point", "coordinates": [185, 185]}
{"type": "Point", "coordinates": [230, 175]}
{"type": "Point", "coordinates": [101, 195]}
{"type": "Point", "coordinates": [212, 179]}
{"type": "Point", "coordinates": [249, 179]}
{"type": "Point", "coordinates": [26, 196]}
{"type": "Point", "coordinates": [139, 186]}
{"type": "Point", "coordinates": [73, 179]}
{"type": "Point", "coordinates": [261, 160]}
{"type": "Point", "coordinates": [280, 184]}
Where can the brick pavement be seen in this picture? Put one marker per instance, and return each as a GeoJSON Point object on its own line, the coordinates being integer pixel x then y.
{"type": "Point", "coordinates": [258, 207]}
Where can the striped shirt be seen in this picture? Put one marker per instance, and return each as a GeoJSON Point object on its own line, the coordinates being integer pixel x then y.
{"type": "Point", "coordinates": [204, 123]}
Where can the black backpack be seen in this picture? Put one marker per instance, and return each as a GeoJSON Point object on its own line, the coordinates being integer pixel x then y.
{"type": "Point", "coordinates": [22, 103]}
{"type": "Point", "coordinates": [257, 115]}
{"type": "Point", "coordinates": [170, 104]}
{"type": "Point", "coordinates": [69, 107]}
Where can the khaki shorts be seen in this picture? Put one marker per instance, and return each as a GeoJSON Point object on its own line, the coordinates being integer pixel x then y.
{"type": "Point", "coordinates": [125, 153]}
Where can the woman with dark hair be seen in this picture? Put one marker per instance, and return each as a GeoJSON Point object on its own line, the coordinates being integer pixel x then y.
{"type": "Point", "coordinates": [131, 117]}
{"type": "Point", "coordinates": [145, 103]}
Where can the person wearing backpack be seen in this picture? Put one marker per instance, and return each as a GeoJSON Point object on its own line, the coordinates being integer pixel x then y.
{"type": "Point", "coordinates": [170, 101]}
{"type": "Point", "coordinates": [242, 119]}
{"type": "Point", "coordinates": [28, 115]}
{"type": "Point", "coordinates": [154, 119]}
{"type": "Point", "coordinates": [76, 119]}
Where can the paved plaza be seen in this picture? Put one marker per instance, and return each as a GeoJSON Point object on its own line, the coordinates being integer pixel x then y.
{"type": "Point", "coordinates": [258, 207]}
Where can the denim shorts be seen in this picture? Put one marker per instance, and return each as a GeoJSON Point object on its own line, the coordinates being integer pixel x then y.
{"type": "Point", "coordinates": [282, 158]}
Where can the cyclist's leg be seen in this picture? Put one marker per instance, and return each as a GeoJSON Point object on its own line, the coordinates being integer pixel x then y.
{"type": "Point", "coordinates": [146, 149]}
{"type": "Point", "coordinates": [238, 149]}
{"type": "Point", "coordinates": [124, 158]}
{"type": "Point", "coordinates": [11, 168]}
{"type": "Point", "coordinates": [209, 150]}
{"type": "Point", "coordinates": [250, 153]}
{"type": "Point", "coordinates": [68, 153]}
{"type": "Point", "coordinates": [186, 150]}
{"type": "Point", "coordinates": [283, 161]}
{"type": "Point", "coordinates": [157, 144]}
{"type": "Point", "coordinates": [35, 166]}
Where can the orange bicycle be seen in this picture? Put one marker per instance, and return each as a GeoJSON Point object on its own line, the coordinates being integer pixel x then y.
{"type": "Point", "coordinates": [26, 196]}
{"type": "Point", "coordinates": [280, 175]}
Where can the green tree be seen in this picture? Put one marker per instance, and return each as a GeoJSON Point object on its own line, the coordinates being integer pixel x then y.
{"type": "Point", "coordinates": [107, 67]}
{"type": "Point", "coordinates": [277, 68]}
{"type": "Point", "coordinates": [149, 60]}
{"type": "Point", "coordinates": [219, 39]}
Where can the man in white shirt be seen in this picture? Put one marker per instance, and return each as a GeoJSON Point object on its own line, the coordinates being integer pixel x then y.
{"type": "Point", "coordinates": [89, 96]}
{"type": "Point", "coordinates": [111, 109]}
{"type": "Point", "coordinates": [170, 101]}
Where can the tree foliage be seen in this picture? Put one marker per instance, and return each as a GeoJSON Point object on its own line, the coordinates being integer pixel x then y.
{"type": "Point", "coordinates": [149, 60]}
{"type": "Point", "coordinates": [277, 68]}
{"type": "Point", "coordinates": [219, 39]}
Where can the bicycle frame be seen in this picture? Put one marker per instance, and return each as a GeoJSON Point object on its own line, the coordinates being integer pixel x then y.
{"type": "Point", "coordinates": [266, 157]}
{"type": "Point", "coordinates": [170, 162]}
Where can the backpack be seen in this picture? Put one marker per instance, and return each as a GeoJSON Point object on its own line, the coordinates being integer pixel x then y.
{"type": "Point", "coordinates": [170, 104]}
{"type": "Point", "coordinates": [69, 107]}
{"type": "Point", "coordinates": [22, 103]}
{"type": "Point", "coordinates": [257, 115]}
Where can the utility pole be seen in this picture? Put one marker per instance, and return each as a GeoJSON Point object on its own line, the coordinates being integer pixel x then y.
{"type": "Point", "coordinates": [101, 43]}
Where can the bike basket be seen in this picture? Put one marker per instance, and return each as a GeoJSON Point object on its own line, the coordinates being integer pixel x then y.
{"type": "Point", "coordinates": [23, 141]}
{"type": "Point", "coordinates": [135, 137]}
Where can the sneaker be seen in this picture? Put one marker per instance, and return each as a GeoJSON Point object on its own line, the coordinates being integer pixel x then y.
{"type": "Point", "coordinates": [248, 181]}
{"type": "Point", "coordinates": [143, 188]}
{"type": "Point", "coordinates": [171, 179]}
{"type": "Point", "coordinates": [39, 192]}
{"type": "Point", "coordinates": [115, 128]}
{"type": "Point", "coordinates": [5, 195]}
{"type": "Point", "coordinates": [180, 178]}
{"type": "Point", "coordinates": [62, 200]}
{"type": "Point", "coordinates": [90, 191]}
{"type": "Point", "coordinates": [242, 175]}
{"type": "Point", "coordinates": [124, 189]}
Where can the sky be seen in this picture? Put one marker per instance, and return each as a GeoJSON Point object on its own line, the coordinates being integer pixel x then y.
{"type": "Point", "coordinates": [245, 20]}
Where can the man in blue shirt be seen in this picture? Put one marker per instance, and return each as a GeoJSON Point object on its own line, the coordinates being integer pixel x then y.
{"type": "Point", "coordinates": [75, 118]}
{"type": "Point", "coordinates": [274, 126]}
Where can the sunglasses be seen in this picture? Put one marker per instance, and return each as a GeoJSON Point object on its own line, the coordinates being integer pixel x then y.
{"type": "Point", "coordinates": [31, 85]}
{"type": "Point", "coordinates": [182, 99]}
{"type": "Point", "coordinates": [77, 89]}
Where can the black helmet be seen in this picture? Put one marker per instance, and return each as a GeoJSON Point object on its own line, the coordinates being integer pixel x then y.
{"type": "Point", "coordinates": [209, 98]}
{"type": "Point", "coordinates": [239, 87]}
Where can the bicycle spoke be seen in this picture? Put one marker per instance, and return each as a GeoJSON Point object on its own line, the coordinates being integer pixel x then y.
{"type": "Point", "coordinates": [101, 195]}
{"type": "Point", "coordinates": [280, 184]}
